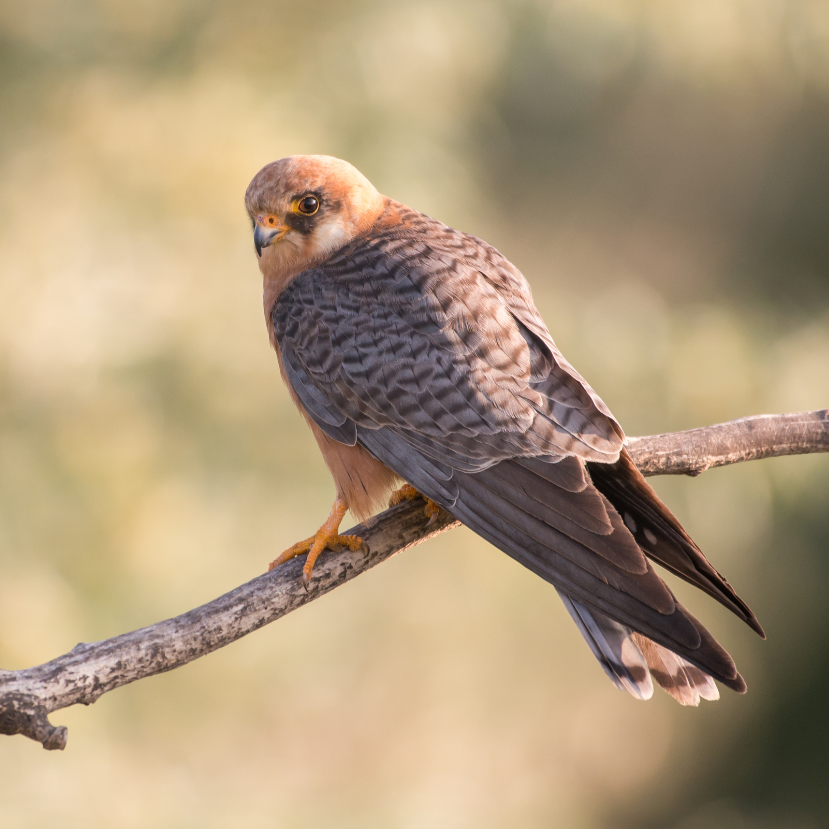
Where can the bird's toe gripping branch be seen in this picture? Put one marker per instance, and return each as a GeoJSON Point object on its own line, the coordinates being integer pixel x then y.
{"type": "Point", "coordinates": [326, 536]}
{"type": "Point", "coordinates": [408, 493]}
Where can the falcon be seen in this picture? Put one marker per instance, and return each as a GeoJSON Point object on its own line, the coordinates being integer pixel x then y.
{"type": "Point", "coordinates": [416, 355]}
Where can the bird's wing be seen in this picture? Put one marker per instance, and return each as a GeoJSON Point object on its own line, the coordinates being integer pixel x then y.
{"type": "Point", "coordinates": [433, 333]}
{"type": "Point", "coordinates": [423, 345]}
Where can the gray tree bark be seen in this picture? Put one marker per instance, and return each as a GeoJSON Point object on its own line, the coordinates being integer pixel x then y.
{"type": "Point", "coordinates": [90, 670]}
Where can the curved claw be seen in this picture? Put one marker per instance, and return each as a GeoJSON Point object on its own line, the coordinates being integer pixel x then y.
{"type": "Point", "coordinates": [326, 536]}
{"type": "Point", "coordinates": [408, 493]}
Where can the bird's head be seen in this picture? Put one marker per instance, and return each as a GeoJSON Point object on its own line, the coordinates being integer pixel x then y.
{"type": "Point", "coordinates": [305, 207]}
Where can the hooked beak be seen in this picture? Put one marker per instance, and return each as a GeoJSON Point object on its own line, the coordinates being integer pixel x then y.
{"type": "Point", "coordinates": [266, 234]}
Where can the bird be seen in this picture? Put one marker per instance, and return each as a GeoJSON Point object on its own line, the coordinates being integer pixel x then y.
{"type": "Point", "coordinates": [417, 357]}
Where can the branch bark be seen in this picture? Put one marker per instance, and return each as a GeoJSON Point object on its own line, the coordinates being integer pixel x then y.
{"type": "Point", "coordinates": [746, 439]}
{"type": "Point", "coordinates": [88, 671]}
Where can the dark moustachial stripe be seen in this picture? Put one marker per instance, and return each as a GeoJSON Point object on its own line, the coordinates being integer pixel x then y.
{"type": "Point", "coordinates": [303, 224]}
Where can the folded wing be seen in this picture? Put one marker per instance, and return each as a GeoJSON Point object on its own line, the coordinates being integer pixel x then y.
{"type": "Point", "coordinates": [423, 345]}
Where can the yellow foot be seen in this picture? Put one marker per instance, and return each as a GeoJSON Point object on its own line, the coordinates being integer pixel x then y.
{"type": "Point", "coordinates": [408, 493]}
{"type": "Point", "coordinates": [326, 536]}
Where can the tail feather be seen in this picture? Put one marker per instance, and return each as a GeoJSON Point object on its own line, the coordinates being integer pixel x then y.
{"type": "Point", "coordinates": [686, 683]}
{"type": "Point", "coordinates": [632, 661]}
{"type": "Point", "coordinates": [594, 547]}
{"type": "Point", "coordinates": [502, 515]}
{"type": "Point", "coordinates": [611, 643]}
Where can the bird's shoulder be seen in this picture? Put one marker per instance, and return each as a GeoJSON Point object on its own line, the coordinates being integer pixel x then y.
{"type": "Point", "coordinates": [410, 261]}
{"type": "Point", "coordinates": [417, 306]}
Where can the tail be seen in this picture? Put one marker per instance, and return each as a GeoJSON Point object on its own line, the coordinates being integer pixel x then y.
{"type": "Point", "coordinates": [590, 529]}
{"type": "Point", "coordinates": [632, 661]}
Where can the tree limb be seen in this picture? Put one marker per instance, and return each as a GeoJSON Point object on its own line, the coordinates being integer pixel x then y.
{"type": "Point", "coordinates": [746, 439]}
{"type": "Point", "coordinates": [28, 696]}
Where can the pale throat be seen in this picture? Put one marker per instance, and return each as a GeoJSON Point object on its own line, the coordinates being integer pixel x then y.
{"type": "Point", "coordinates": [294, 253]}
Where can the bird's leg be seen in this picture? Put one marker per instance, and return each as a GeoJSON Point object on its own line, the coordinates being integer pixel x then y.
{"type": "Point", "coordinates": [408, 493]}
{"type": "Point", "coordinates": [326, 536]}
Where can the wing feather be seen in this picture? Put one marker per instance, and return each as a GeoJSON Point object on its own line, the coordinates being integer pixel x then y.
{"type": "Point", "coordinates": [424, 346]}
{"type": "Point", "coordinates": [661, 536]}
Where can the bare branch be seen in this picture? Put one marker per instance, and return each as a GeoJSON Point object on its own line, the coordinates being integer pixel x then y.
{"type": "Point", "coordinates": [90, 670]}
{"type": "Point", "coordinates": [28, 696]}
{"type": "Point", "coordinates": [746, 439]}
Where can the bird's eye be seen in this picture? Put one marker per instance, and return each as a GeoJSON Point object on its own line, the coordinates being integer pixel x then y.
{"type": "Point", "coordinates": [308, 205]}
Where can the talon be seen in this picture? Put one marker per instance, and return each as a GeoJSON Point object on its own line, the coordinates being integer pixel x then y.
{"type": "Point", "coordinates": [408, 493]}
{"type": "Point", "coordinates": [326, 536]}
{"type": "Point", "coordinates": [292, 552]}
{"type": "Point", "coordinates": [353, 542]}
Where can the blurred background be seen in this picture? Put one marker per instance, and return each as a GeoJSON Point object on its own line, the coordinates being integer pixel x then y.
{"type": "Point", "coordinates": [660, 173]}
